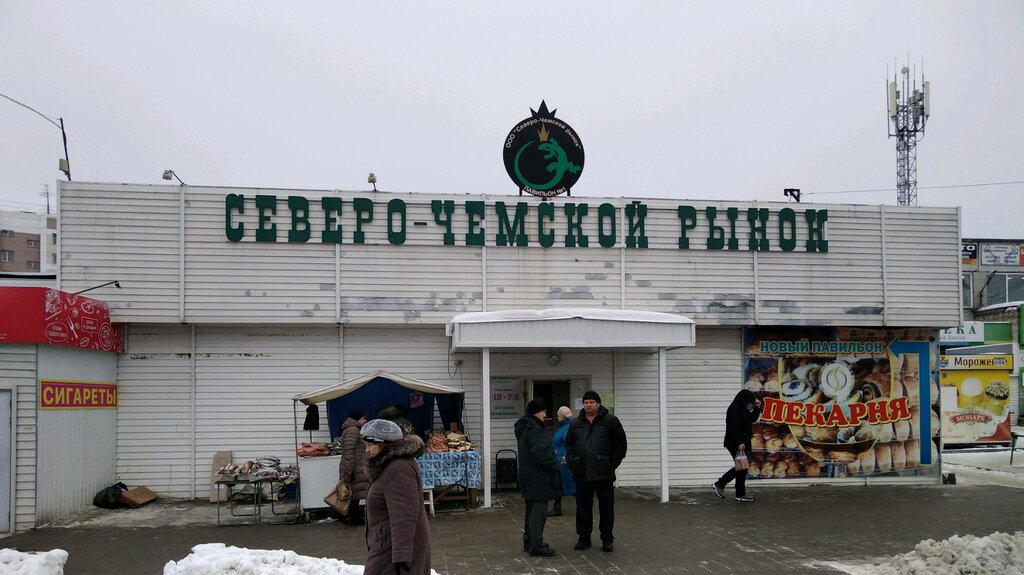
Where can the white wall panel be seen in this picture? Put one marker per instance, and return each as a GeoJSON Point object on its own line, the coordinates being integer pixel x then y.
{"type": "Point", "coordinates": [154, 416]}
{"type": "Point", "coordinates": [636, 405]}
{"type": "Point", "coordinates": [245, 379]}
{"type": "Point", "coordinates": [131, 233]}
{"type": "Point", "coordinates": [703, 381]}
{"type": "Point", "coordinates": [18, 371]}
{"type": "Point", "coordinates": [124, 233]}
{"type": "Point", "coordinates": [76, 447]}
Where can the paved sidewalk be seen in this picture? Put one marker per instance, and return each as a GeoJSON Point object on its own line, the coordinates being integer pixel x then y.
{"type": "Point", "coordinates": [787, 530]}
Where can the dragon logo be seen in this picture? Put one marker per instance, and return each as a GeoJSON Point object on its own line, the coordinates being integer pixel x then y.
{"type": "Point", "coordinates": [543, 155]}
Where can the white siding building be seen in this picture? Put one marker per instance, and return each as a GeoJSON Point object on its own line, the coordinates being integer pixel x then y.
{"type": "Point", "coordinates": [238, 299]}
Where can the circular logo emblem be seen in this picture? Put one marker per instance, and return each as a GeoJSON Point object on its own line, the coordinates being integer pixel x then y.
{"type": "Point", "coordinates": [543, 155]}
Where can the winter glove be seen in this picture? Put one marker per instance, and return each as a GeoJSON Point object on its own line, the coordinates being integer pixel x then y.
{"type": "Point", "coordinates": [401, 566]}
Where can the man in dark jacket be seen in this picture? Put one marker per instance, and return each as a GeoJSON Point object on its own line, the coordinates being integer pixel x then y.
{"type": "Point", "coordinates": [538, 476]}
{"type": "Point", "coordinates": [739, 418]}
{"type": "Point", "coordinates": [594, 448]}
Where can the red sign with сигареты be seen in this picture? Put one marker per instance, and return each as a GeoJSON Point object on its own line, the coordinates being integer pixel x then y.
{"type": "Point", "coordinates": [77, 395]}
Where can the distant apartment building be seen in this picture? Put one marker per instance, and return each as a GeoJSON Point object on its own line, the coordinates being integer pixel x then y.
{"type": "Point", "coordinates": [28, 242]}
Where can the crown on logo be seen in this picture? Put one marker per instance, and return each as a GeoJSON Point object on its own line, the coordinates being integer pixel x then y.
{"type": "Point", "coordinates": [543, 133]}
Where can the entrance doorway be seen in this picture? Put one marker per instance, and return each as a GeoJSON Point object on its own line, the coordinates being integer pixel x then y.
{"type": "Point", "coordinates": [555, 393]}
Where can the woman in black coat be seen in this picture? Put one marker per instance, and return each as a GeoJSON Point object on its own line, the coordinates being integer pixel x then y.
{"type": "Point", "coordinates": [739, 419]}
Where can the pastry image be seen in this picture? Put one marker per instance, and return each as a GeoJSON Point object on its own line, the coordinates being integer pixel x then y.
{"type": "Point", "coordinates": [897, 389]}
{"type": "Point", "coordinates": [773, 445]}
{"type": "Point", "coordinates": [812, 469]}
{"type": "Point", "coordinates": [755, 469]}
{"type": "Point", "coordinates": [846, 434]}
{"type": "Point", "coordinates": [753, 386]}
{"type": "Point", "coordinates": [899, 456]}
{"type": "Point", "coordinates": [780, 470]}
{"type": "Point", "coordinates": [867, 460]}
{"type": "Point", "coordinates": [790, 441]}
{"type": "Point", "coordinates": [853, 468]}
{"type": "Point", "coordinates": [807, 371]}
{"type": "Point", "coordinates": [815, 454]}
{"type": "Point", "coordinates": [756, 443]}
{"type": "Point", "coordinates": [883, 456]}
{"type": "Point", "coordinates": [800, 390]}
{"type": "Point", "coordinates": [885, 433]}
{"type": "Point", "coordinates": [793, 469]}
{"type": "Point", "coordinates": [867, 433]}
{"type": "Point", "coordinates": [798, 431]}
{"type": "Point", "coordinates": [771, 384]}
{"type": "Point", "coordinates": [822, 434]}
{"type": "Point", "coordinates": [901, 429]}
{"type": "Point", "coordinates": [836, 381]}
{"type": "Point", "coordinates": [841, 456]}
{"type": "Point", "coordinates": [871, 391]}
{"type": "Point", "coordinates": [912, 450]}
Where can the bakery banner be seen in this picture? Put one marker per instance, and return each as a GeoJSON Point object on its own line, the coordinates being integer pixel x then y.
{"type": "Point", "coordinates": [843, 402]}
{"type": "Point", "coordinates": [45, 315]}
{"type": "Point", "coordinates": [975, 397]}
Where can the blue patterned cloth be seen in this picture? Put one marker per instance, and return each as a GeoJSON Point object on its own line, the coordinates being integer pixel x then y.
{"type": "Point", "coordinates": [451, 468]}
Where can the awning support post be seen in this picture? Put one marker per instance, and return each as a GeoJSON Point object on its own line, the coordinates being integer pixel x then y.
{"type": "Point", "coordinates": [663, 420]}
{"type": "Point", "coordinates": [485, 465]}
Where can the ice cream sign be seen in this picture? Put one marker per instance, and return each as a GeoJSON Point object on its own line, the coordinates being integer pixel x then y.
{"type": "Point", "coordinates": [975, 392]}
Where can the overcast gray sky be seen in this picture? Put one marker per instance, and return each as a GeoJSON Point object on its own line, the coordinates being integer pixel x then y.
{"type": "Point", "coordinates": [710, 100]}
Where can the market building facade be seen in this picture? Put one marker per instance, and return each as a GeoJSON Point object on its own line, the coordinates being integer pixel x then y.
{"type": "Point", "coordinates": [237, 300]}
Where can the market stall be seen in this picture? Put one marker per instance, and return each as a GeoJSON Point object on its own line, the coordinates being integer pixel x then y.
{"type": "Point", "coordinates": [371, 392]}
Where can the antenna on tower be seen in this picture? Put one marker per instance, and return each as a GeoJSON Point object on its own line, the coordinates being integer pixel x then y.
{"type": "Point", "coordinates": [909, 109]}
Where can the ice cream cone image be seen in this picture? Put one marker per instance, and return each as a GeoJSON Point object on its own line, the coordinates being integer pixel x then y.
{"type": "Point", "coordinates": [971, 394]}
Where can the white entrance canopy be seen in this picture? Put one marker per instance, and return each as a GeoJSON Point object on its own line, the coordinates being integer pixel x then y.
{"type": "Point", "coordinates": [567, 328]}
{"type": "Point", "coordinates": [592, 329]}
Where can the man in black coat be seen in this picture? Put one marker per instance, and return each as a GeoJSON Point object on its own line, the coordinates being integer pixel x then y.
{"type": "Point", "coordinates": [739, 419]}
{"type": "Point", "coordinates": [538, 476]}
{"type": "Point", "coordinates": [594, 448]}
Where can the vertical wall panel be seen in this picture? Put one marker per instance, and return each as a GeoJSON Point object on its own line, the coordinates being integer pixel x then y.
{"type": "Point", "coordinates": [154, 415]}
{"type": "Point", "coordinates": [18, 370]}
{"type": "Point", "coordinates": [702, 383]}
{"type": "Point", "coordinates": [77, 447]}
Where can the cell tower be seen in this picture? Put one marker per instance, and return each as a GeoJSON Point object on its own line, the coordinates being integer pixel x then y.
{"type": "Point", "coordinates": [909, 109]}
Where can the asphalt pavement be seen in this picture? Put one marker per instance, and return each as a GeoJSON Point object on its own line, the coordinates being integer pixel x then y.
{"type": "Point", "coordinates": [786, 530]}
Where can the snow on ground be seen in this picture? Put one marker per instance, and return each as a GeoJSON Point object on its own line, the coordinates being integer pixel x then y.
{"type": "Point", "coordinates": [219, 559]}
{"type": "Point", "coordinates": [996, 554]}
{"type": "Point", "coordinates": [40, 563]}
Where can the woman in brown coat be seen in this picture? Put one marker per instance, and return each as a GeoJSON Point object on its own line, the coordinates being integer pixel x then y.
{"type": "Point", "coordinates": [397, 530]}
{"type": "Point", "coordinates": [352, 469]}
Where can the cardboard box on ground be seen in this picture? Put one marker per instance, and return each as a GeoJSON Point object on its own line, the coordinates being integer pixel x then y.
{"type": "Point", "coordinates": [137, 497]}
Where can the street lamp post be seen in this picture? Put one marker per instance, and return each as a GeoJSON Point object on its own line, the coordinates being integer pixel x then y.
{"type": "Point", "coordinates": [65, 162]}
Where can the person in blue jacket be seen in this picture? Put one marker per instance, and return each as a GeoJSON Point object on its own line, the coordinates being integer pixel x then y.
{"type": "Point", "coordinates": [558, 442]}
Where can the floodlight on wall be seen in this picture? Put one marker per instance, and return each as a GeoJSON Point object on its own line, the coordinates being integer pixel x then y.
{"type": "Point", "coordinates": [114, 283]}
{"type": "Point", "coordinates": [168, 174]}
{"type": "Point", "coordinates": [372, 179]}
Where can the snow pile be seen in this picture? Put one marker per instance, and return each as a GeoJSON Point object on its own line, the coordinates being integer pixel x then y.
{"type": "Point", "coordinates": [219, 559]}
{"type": "Point", "coordinates": [997, 554]}
{"type": "Point", "coordinates": [13, 562]}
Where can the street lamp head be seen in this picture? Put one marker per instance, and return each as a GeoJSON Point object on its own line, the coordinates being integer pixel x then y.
{"type": "Point", "coordinates": [168, 174]}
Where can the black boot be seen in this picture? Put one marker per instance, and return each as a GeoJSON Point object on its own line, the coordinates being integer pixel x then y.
{"type": "Point", "coordinates": [556, 511]}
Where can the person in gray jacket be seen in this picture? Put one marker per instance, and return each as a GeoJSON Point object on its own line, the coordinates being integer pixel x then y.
{"type": "Point", "coordinates": [538, 476]}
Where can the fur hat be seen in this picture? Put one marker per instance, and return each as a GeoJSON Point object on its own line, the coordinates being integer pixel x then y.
{"type": "Point", "coordinates": [591, 394]}
{"type": "Point", "coordinates": [564, 412]}
{"type": "Point", "coordinates": [380, 431]}
{"type": "Point", "coordinates": [536, 406]}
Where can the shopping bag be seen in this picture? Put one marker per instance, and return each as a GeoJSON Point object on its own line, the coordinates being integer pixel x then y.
{"type": "Point", "coordinates": [339, 498]}
{"type": "Point", "coordinates": [741, 461]}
